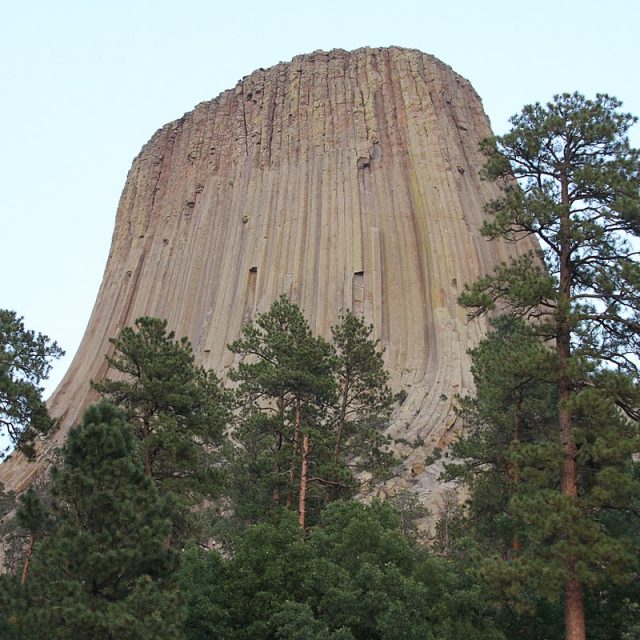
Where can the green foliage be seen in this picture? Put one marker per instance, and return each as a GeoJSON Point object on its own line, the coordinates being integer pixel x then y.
{"type": "Point", "coordinates": [24, 362]}
{"type": "Point", "coordinates": [176, 410]}
{"type": "Point", "coordinates": [511, 424]}
{"type": "Point", "coordinates": [411, 511]}
{"type": "Point", "coordinates": [365, 400]}
{"type": "Point", "coordinates": [201, 577]}
{"type": "Point", "coordinates": [286, 361]}
{"type": "Point", "coordinates": [292, 385]}
{"type": "Point", "coordinates": [295, 621]}
{"type": "Point", "coordinates": [355, 576]}
{"type": "Point", "coordinates": [104, 571]}
{"type": "Point", "coordinates": [285, 389]}
{"type": "Point", "coordinates": [32, 515]}
{"type": "Point", "coordinates": [518, 528]}
{"type": "Point", "coordinates": [577, 190]}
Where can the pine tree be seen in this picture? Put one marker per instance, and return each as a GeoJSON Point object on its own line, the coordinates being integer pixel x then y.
{"type": "Point", "coordinates": [515, 525]}
{"type": "Point", "coordinates": [510, 429]}
{"type": "Point", "coordinates": [24, 362]}
{"type": "Point", "coordinates": [104, 571]}
{"type": "Point", "coordinates": [365, 400]}
{"type": "Point", "coordinates": [285, 387]}
{"type": "Point", "coordinates": [176, 409]}
{"type": "Point", "coordinates": [25, 520]}
{"type": "Point", "coordinates": [313, 414]}
{"type": "Point", "coordinates": [34, 519]}
{"type": "Point", "coordinates": [577, 189]}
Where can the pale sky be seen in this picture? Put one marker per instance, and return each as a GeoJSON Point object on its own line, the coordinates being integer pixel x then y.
{"type": "Point", "coordinates": [85, 83]}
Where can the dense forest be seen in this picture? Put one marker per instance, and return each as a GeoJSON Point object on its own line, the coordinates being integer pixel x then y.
{"type": "Point", "coordinates": [188, 507]}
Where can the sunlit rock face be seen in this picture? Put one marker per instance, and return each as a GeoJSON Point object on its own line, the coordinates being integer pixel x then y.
{"type": "Point", "coordinates": [347, 180]}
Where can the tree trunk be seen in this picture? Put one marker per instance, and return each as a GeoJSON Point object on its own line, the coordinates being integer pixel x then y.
{"type": "Point", "coordinates": [148, 463]}
{"type": "Point", "coordinates": [341, 421]}
{"type": "Point", "coordinates": [148, 467]}
{"type": "Point", "coordinates": [514, 475]}
{"type": "Point", "coordinates": [304, 474]}
{"type": "Point", "coordinates": [27, 561]}
{"type": "Point", "coordinates": [574, 598]}
{"type": "Point", "coordinates": [294, 453]}
{"type": "Point", "coordinates": [574, 627]}
{"type": "Point", "coordinates": [276, 468]}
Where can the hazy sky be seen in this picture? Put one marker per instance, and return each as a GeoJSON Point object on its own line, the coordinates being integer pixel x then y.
{"type": "Point", "coordinates": [85, 83]}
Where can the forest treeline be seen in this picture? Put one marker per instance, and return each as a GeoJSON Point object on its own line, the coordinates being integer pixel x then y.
{"type": "Point", "coordinates": [184, 508]}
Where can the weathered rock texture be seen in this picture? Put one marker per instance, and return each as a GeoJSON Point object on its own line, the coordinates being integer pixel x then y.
{"type": "Point", "coordinates": [348, 180]}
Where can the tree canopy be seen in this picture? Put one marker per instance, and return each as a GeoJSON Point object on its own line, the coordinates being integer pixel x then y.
{"type": "Point", "coordinates": [311, 417]}
{"type": "Point", "coordinates": [104, 569]}
{"type": "Point", "coordinates": [176, 409]}
{"type": "Point", "coordinates": [569, 176]}
{"type": "Point", "coordinates": [25, 361]}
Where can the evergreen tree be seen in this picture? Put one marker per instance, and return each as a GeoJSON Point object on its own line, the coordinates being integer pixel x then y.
{"type": "Point", "coordinates": [23, 522]}
{"type": "Point", "coordinates": [577, 189]}
{"type": "Point", "coordinates": [24, 362]}
{"type": "Point", "coordinates": [285, 387]}
{"type": "Point", "coordinates": [353, 576]}
{"type": "Point", "coordinates": [176, 410]}
{"type": "Point", "coordinates": [34, 519]}
{"type": "Point", "coordinates": [104, 571]}
{"type": "Point", "coordinates": [313, 415]}
{"type": "Point", "coordinates": [364, 402]}
{"type": "Point", "coordinates": [514, 528]}
{"type": "Point", "coordinates": [511, 425]}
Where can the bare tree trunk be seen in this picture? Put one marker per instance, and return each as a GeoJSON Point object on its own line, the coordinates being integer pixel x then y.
{"type": "Point", "coordinates": [574, 626]}
{"type": "Point", "coordinates": [294, 452]}
{"type": "Point", "coordinates": [27, 561]}
{"type": "Point", "coordinates": [304, 474]}
{"type": "Point", "coordinates": [574, 598]}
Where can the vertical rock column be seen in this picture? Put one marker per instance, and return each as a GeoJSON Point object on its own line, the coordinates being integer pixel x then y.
{"type": "Point", "coordinates": [347, 180]}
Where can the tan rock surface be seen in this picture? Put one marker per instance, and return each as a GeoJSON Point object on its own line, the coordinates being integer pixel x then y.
{"type": "Point", "coordinates": [348, 180]}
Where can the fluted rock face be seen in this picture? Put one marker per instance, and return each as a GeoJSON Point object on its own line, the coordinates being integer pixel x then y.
{"type": "Point", "coordinates": [348, 180]}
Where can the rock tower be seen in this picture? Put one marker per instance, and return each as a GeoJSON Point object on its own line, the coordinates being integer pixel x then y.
{"type": "Point", "coordinates": [347, 180]}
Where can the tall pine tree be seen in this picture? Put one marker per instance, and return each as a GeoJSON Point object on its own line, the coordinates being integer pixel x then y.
{"type": "Point", "coordinates": [104, 571]}
{"type": "Point", "coordinates": [176, 409]}
{"type": "Point", "coordinates": [577, 189]}
{"type": "Point", "coordinates": [313, 414]}
{"type": "Point", "coordinates": [363, 406]}
{"type": "Point", "coordinates": [285, 388]}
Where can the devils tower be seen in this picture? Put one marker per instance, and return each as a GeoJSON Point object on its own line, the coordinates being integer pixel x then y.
{"type": "Point", "coordinates": [347, 180]}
